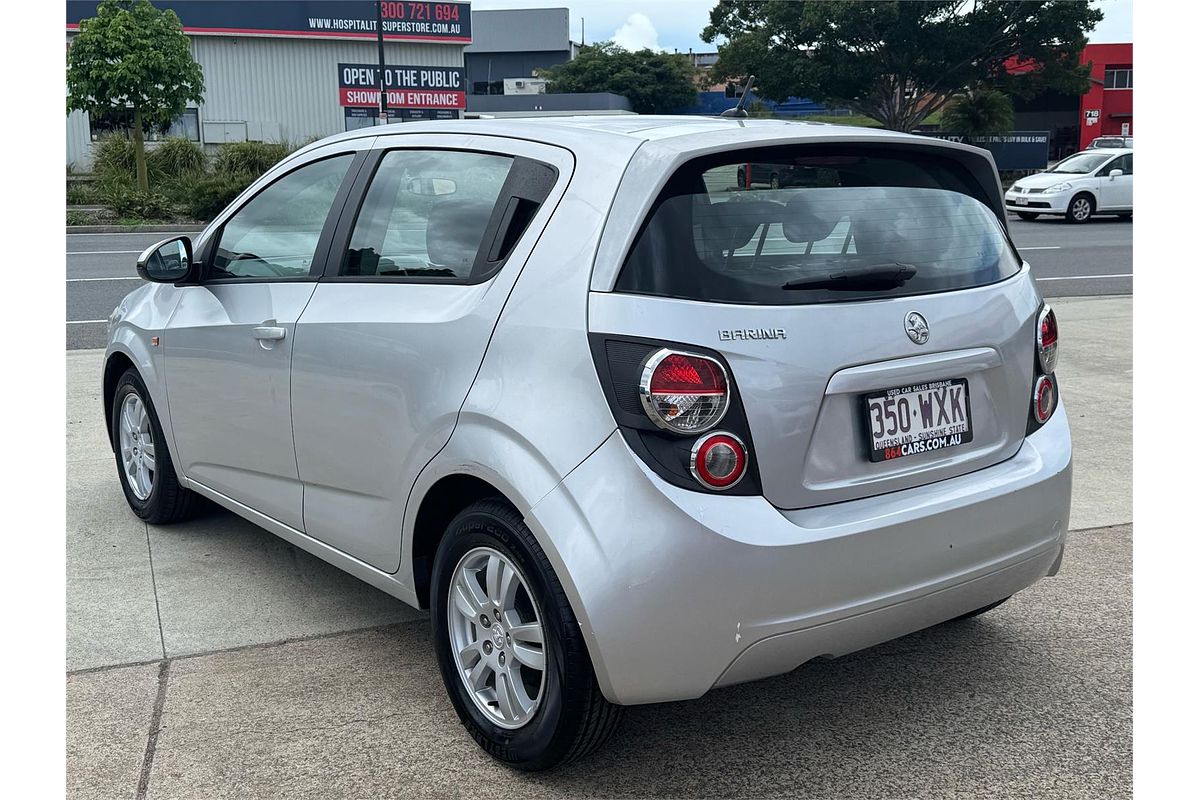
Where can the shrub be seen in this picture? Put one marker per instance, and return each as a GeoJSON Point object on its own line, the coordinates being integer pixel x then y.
{"type": "Point", "coordinates": [83, 194]}
{"type": "Point", "coordinates": [113, 157]}
{"type": "Point", "coordinates": [205, 197]}
{"type": "Point", "coordinates": [176, 157]}
{"type": "Point", "coordinates": [126, 202]}
{"type": "Point", "coordinates": [250, 158]}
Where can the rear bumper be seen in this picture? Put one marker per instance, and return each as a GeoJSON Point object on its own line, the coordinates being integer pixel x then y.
{"type": "Point", "coordinates": [678, 592]}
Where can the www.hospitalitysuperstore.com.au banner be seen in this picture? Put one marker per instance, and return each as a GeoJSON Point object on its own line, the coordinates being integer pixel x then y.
{"type": "Point", "coordinates": [407, 86]}
{"type": "Point", "coordinates": [444, 21]}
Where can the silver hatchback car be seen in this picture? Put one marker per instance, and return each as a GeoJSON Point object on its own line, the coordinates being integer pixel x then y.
{"type": "Point", "coordinates": [628, 428]}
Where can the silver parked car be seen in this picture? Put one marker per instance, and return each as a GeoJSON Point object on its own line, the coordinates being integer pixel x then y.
{"type": "Point", "coordinates": [630, 430]}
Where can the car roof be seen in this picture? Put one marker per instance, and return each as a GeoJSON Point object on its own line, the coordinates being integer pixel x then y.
{"type": "Point", "coordinates": [1113, 150]}
{"type": "Point", "coordinates": [602, 130]}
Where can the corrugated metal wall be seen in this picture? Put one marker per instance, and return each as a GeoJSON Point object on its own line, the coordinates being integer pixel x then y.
{"type": "Point", "coordinates": [276, 88]}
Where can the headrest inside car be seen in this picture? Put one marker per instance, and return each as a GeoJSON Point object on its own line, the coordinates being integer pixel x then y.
{"type": "Point", "coordinates": [731, 225]}
{"type": "Point", "coordinates": [808, 219]}
{"type": "Point", "coordinates": [454, 232]}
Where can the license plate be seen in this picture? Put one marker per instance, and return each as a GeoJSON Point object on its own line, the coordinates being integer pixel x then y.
{"type": "Point", "coordinates": [1021, 201]}
{"type": "Point", "coordinates": [922, 418]}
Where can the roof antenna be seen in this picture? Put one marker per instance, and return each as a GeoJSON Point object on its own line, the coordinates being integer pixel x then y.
{"type": "Point", "coordinates": [739, 111]}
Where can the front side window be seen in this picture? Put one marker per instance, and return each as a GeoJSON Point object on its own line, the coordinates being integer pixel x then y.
{"type": "Point", "coordinates": [832, 227]}
{"type": "Point", "coordinates": [275, 235]}
{"type": "Point", "coordinates": [1123, 163]}
{"type": "Point", "coordinates": [425, 214]}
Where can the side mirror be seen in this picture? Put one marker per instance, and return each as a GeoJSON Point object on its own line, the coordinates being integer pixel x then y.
{"type": "Point", "coordinates": [1115, 173]}
{"type": "Point", "coordinates": [167, 261]}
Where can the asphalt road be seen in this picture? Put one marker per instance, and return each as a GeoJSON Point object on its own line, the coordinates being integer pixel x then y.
{"type": "Point", "coordinates": [1067, 260]}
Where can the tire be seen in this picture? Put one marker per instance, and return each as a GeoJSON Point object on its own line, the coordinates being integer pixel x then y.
{"type": "Point", "coordinates": [1028, 216]}
{"type": "Point", "coordinates": [978, 611]}
{"type": "Point", "coordinates": [1080, 209]}
{"type": "Point", "coordinates": [166, 501]}
{"type": "Point", "coordinates": [571, 717]}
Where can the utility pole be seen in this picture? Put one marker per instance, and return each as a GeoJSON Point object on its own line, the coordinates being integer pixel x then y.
{"type": "Point", "coordinates": [582, 32]}
{"type": "Point", "coordinates": [383, 114]}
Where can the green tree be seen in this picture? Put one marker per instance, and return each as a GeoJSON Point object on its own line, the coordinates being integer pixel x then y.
{"type": "Point", "coordinates": [898, 62]}
{"type": "Point", "coordinates": [655, 83]}
{"type": "Point", "coordinates": [978, 112]}
{"type": "Point", "coordinates": [132, 58]}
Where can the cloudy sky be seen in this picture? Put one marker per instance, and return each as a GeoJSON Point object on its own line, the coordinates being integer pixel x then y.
{"type": "Point", "coordinates": [676, 24]}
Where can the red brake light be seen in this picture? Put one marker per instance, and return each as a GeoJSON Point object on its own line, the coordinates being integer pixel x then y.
{"type": "Point", "coordinates": [719, 460]}
{"type": "Point", "coordinates": [1047, 340]}
{"type": "Point", "coordinates": [1043, 399]}
{"type": "Point", "coordinates": [683, 392]}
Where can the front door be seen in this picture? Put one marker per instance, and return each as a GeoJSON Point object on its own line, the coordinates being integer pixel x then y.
{"type": "Point", "coordinates": [390, 343]}
{"type": "Point", "coordinates": [228, 345]}
{"type": "Point", "coordinates": [1116, 191]}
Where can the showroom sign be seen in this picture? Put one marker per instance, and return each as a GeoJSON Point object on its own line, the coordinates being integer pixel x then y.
{"type": "Point", "coordinates": [407, 87]}
{"type": "Point", "coordinates": [331, 19]}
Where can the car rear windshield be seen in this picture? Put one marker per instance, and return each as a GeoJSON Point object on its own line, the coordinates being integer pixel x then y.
{"type": "Point", "coordinates": [797, 225]}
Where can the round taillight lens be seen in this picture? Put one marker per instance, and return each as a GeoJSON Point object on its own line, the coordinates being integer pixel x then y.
{"type": "Point", "coordinates": [684, 392]}
{"type": "Point", "coordinates": [1043, 399]}
{"type": "Point", "coordinates": [1047, 340]}
{"type": "Point", "coordinates": [719, 460]}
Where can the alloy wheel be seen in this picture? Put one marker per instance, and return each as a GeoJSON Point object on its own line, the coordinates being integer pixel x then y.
{"type": "Point", "coordinates": [1081, 209]}
{"type": "Point", "coordinates": [496, 637]}
{"type": "Point", "coordinates": [137, 446]}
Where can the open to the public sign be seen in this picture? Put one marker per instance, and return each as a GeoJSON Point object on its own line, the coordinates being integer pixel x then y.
{"type": "Point", "coordinates": [923, 418]}
{"type": "Point", "coordinates": [407, 86]}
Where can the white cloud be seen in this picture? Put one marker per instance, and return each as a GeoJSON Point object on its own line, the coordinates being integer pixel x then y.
{"type": "Point", "coordinates": [637, 33]}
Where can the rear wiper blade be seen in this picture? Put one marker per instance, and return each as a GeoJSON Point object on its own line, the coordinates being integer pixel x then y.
{"type": "Point", "coordinates": [880, 276]}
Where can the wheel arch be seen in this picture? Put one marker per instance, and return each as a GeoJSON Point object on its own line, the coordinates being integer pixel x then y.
{"type": "Point", "coordinates": [441, 503]}
{"type": "Point", "coordinates": [116, 365]}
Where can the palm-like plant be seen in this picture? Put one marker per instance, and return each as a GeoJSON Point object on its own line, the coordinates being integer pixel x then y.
{"type": "Point", "coordinates": [978, 112]}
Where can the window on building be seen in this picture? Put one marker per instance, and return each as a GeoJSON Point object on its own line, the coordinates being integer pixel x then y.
{"type": "Point", "coordinates": [186, 125]}
{"type": "Point", "coordinates": [484, 87]}
{"type": "Point", "coordinates": [1118, 78]}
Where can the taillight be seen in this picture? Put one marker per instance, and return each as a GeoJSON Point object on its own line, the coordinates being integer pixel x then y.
{"type": "Point", "coordinates": [1043, 399]}
{"type": "Point", "coordinates": [719, 460]}
{"type": "Point", "coordinates": [1047, 340]}
{"type": "Point", "coordinates": [683, 392]}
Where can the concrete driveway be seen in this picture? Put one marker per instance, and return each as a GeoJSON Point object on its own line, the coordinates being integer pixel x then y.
{"type": "Point", "coordinates": [213, 660]}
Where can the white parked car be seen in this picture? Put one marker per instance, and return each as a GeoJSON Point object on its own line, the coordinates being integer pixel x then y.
{"type": "Point", "coordinates": [1091, 182]}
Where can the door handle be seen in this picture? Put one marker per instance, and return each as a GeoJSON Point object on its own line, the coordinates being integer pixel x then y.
{"type": "Point", "coordinates": [269, 333]}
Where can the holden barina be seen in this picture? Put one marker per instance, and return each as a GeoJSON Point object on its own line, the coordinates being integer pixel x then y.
{"type": "Point", "coordinates": [632, 429]}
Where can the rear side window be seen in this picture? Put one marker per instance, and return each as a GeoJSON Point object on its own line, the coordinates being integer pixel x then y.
{"type": "Point", "coordinates": [425, 214]}
{"type": "Point", "coordinates": [792, 226]}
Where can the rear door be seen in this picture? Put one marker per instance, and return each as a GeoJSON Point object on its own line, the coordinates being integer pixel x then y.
{"type": "Point", "coordinates": [875, 318]}
{"type": "Point", "coordinates": [228, 345]}
{"type": "Point", "coordinates": [388, 346]}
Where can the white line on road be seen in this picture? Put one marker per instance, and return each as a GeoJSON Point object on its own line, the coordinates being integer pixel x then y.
{"type": "Point", "coordinates": [1045, 247]}
{"type": "Point", "coordinates": [115, 252]}
{"type": "Point", "coordinates": [85, 321]}
{"type": "Point", "coordinates": [122, 278]}
{"type": "Point", "coordinates": [1087, 277]}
